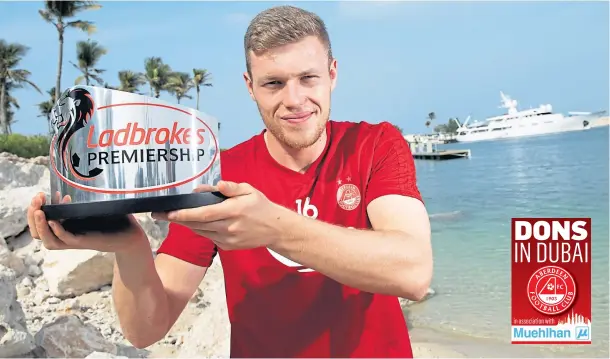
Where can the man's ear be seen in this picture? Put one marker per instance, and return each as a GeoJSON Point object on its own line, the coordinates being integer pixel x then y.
{"type": "Point", "coordinates": [333, 74]}
{"type": "Point", "coordinates": [249, 85]}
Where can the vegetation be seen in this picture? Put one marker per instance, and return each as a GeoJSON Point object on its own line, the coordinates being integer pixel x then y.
{"type": "Point", "coordinates": [65, 16]}
{"type": "Point", "coordinates": [25, 146]}
{"type": "Point", "coordinates": [450, 127]}
{"type": "Point", "coordinates": [431, 117]}
{"type": "Point", "coordinates": [89, 54]}
{"type": "Point", "coordinates": [56, 13]}
{"type": "Point", "coordinates": [11, 78]}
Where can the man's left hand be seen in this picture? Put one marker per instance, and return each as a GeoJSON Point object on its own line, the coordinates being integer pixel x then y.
{"type": "Point", "coordinates": [247, 219]}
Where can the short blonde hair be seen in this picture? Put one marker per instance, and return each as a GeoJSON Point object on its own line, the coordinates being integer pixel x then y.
{"type": "Point", "coordinates": [283, 25]}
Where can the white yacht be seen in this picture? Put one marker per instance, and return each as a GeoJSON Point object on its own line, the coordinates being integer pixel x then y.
{"type": "Point", "coordinates": [515, 123]}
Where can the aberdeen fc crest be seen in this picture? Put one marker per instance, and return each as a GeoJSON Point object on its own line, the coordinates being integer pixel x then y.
{"type": "Point", "coordinates": [348, 196]}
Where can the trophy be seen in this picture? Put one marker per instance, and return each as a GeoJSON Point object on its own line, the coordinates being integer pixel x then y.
{"type": "Point", "coordinates": [116, 153]}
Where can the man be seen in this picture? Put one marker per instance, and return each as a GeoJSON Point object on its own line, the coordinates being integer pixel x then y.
{"type": "Point", "coordinates": [324, 225]}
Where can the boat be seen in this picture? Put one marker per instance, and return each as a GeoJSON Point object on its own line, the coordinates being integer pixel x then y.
{"type": "Point", "coordinates": [520, 123]}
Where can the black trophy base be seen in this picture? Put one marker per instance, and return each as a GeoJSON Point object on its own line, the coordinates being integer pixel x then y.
{"type": "Point", "coordinates": [100, 224]}
{"type": "Point", "coordinates": [111, 216]}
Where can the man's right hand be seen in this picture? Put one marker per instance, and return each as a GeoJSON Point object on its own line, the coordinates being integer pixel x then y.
{"type": "Point", "coordinates": [54, 236]}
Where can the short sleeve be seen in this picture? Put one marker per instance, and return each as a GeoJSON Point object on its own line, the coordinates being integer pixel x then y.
{"type": "Point", "coordinates": [393, 168]}
{"type": "Point", "coordinates": [181, 242]}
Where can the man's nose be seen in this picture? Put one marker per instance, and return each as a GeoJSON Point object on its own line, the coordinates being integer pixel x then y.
{"type": "Point", "coordinates": [294, 96]}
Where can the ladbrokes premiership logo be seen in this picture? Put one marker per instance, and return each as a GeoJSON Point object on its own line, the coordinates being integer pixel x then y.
{"type": "Point", "coordinates": [115, 142]}
{"type": "Point", "coordinates": [551, 281]}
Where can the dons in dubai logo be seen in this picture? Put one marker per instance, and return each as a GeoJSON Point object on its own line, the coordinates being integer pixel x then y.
{"type": "Point", "coordinates": [551, 281]}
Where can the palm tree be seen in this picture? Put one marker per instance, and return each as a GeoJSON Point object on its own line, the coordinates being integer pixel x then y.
{"type": "Point", "coordinates": [108, 86]}
{"type": "Point", "coordinates": [89, 54]}
{"type": "Point", "coordinates": [56, 12]}
{"type": "Point", "coordinates": [157, 74]}
{"type": "Point", "coordinates": [179, 84]}
{"type": "Point", "coordinates": [201, 77]}
{"type": "Point", "coordinates": [431, 117]}
{"type": "Point", "coordinates": [45, 107]}
{"type": "Point", "coordinates": [11, 103]}
{"type": "Point", "coordinates": [11, 77]}
{"type": "Point", "coordinates": [130, 81]}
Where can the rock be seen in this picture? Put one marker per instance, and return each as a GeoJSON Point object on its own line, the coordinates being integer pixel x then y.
{"type": "Point", "coordinates": [25, 247]}
{"type": "Point", "coordinates": [76, 271]}
{"type": "Point", "coordinates": [211, 332]}
{"type": "Point", "coordinates": [69, 337]}
{"type": "Point", "coordinates": [13, 209]}
{"type": "Point", "coordinates": [15, 340]}
{"type": "Point", "coordinates": [20, 180]}
{"type": "Point", "coordinates": [16, 172]}
{"type": "Point", "coordinates": [155, 230]}
{"type": "Point", "coordinates": [9, 259]}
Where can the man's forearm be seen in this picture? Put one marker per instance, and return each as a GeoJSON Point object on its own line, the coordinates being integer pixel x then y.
{"type": "Point", "coordinates": [139, 297]}
{"type": "Point", "coordinates": [387, 262]}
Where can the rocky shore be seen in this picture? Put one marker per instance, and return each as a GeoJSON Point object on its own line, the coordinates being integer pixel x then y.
{"type": "Point", "coordinates": [59, 303]}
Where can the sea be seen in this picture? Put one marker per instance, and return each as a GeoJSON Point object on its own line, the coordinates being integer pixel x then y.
{"type": "Point", "coordinates": [471, 202]}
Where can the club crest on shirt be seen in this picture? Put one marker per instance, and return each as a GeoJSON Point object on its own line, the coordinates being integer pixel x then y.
{"type": "Point", "coordinates": [348, 195]}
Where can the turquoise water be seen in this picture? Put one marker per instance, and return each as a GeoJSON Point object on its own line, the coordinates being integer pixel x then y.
{"type": "Point", "coordinates": [471, 202]}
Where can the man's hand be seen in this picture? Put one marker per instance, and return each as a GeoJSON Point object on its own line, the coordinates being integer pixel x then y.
{"type": "Point", "coordinates": [55, 237]}
{"type": "Point", "coordinates": [247, 219]}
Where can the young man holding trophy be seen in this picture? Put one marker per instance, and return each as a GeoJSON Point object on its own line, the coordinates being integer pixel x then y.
{"type": "Point", "coordinates": [322, 230]}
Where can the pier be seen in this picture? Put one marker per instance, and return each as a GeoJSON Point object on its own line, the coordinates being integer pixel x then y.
{"type": "Point", "coordinates": [437, 138]}
{"type": "Point", "coordinates": [429, 151]}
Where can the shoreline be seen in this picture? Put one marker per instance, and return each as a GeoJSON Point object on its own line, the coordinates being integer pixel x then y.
{"type": "Point", "coordinates": [430, 342]}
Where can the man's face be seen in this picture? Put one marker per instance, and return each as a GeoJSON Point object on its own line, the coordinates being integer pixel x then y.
{"type": "Point", "coordinates": [292, 87]}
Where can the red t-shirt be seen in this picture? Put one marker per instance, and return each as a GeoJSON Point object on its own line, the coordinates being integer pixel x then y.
{"type": "Point", "coordinates": [278, 308]}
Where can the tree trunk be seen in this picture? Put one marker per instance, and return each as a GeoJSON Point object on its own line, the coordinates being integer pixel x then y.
{"type": "Point", "coordinates": [197, 97]}
{"type": "Point", "coordinates": [49, 124]}
{"type": "Point", "coordinates": [61, 58]}
{"type": "Point", "coordinates": [3, 107]}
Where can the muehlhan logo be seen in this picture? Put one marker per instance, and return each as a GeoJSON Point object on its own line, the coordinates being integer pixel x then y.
{"type": "Point", "coordinates": [582, 333]}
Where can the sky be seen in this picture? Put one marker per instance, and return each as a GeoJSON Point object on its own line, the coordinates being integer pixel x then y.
{"type": "Point", "coordinates": [397, 61]}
